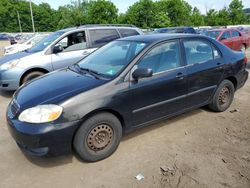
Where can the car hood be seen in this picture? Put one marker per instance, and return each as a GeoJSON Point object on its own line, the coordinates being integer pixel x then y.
{"type": "Point", "coordinates": [54, 88]}
{"type": "Point", "coordinates": [18, 55]}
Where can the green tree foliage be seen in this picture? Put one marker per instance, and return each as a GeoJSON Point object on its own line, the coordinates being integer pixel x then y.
{"type": "Point", "coordinates": [236, 12]}
{"type": "Point", "coordinates": [143, 13]}
{"type": "Point", "coordinates": [178, 11]}
{"type": "Point", "coordinates": [223, 17]}
{"type": "Point", "coordinates": [196, 18]}
{"type": "Point", "coordinates": [211, 18]}
{"type": "Point", "coordinates": [102, 12]}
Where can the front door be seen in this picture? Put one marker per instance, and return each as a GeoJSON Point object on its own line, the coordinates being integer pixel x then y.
{"type": "Point", "coordinates": [165, 92]}
{"type": "Point", "coordinates": [74, 49]}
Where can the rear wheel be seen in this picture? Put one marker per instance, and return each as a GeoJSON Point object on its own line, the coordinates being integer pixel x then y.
{"type": "Point", "coordinates": [98, 137]}
{"type": "Point", "coordinates": [31, 76]}
{"type": "Point", "coordinates": [223, 97]}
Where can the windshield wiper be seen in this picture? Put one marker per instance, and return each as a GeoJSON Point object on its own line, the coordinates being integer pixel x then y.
{"type": "Point", "coordinates": [90, 71]}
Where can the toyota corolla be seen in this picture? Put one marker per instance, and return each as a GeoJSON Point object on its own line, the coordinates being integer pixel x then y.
{"type": "Point", "coordinates": [127, 84]}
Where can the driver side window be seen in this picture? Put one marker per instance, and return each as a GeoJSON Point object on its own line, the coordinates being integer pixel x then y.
{"type": "Point", "coordinates": [73, 42]}
{"type": "Point", "coordinates": [162, 58]}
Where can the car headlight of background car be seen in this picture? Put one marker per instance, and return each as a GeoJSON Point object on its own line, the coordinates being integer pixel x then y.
{"type": "Point", "coordinates": [7, 50]}
{"type": "Point", "coordinates": [9, 65]}
{"type": "Point", "coordinates": [41, 114]}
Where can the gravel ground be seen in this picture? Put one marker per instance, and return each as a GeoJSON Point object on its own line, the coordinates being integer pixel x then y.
{"type": "Point", "coordinates": [196, 149]}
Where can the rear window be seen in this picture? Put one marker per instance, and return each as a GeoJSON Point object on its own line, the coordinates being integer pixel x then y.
{"type": "Point", "coordinates": [235, 34]}
{"type": "Point", "coordinates": [101, 37]}
{"type": "Point", "coordinates": [128, 32]}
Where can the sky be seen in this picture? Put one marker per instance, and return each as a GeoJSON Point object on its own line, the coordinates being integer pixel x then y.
{"type": "Point", "coordinates": [122, 5]}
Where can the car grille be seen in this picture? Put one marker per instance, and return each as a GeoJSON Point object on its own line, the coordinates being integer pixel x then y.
{"type": "Point", "coordinates": [14, 108]}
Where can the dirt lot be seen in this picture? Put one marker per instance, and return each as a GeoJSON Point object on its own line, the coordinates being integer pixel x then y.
{"type": "Point", "coordinates": [196, 149]}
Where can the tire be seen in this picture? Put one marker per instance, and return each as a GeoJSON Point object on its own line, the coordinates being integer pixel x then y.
{"type": "Point", "coordinates": [98, 137]}
{"type": "Point", "coordinates": [31, 76]}
{"type": "Point", "coordinates": [223, 97]}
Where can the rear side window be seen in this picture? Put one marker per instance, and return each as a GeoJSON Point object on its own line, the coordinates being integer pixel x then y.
{"type": "Point", "coordinates": [198, 51]}
{"type": "Point", "coordinates": [101, 37]}
{"type": "Point", "coordinates": [128, 32]}
{"type": "Point", "coordinates": [235, 34]}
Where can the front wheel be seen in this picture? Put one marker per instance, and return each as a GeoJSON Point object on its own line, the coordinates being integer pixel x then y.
{"type": "Point", "coordinates": [32, 75]}
{"type": "Point", "coordinates": [223, 97]}
{"type": "Point", "coordinates": [98, 137]}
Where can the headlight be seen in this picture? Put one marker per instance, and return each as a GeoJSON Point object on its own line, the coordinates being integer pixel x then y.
{"type": "Point", "coordinates": [9, 65]}
{"type": "Point", "coordinates": [9, 49]}
{"type": "Point", "coordinates": [41, 114]}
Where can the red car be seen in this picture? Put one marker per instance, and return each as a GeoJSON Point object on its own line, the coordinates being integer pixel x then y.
{"type": "Point", "coordinates": [232, 38]}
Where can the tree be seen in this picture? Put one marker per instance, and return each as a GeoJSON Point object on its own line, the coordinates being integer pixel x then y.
{"type": "Point", "coordinates": [236, 12]}
{"type": "Point", "coordinates": [102, 12]}
{"type": "Point", "coordinates": [211, 18]}
{"type": "Point", "coordinates": [178, 11]}
{"type": "Point", "coordinates": [196, 18]}
{"type": "Point", "coordinates": [141, 13]}
{"type": "Point", "coordinates": [223, 17]}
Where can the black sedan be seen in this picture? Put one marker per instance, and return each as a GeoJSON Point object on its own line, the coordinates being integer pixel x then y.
{"type": "Point", "coordinates": [127, 84]}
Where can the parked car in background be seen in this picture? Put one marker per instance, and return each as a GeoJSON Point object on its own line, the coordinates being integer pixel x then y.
{"type": "Point", "coordinates": [12, 49]}
{"type": "Point", "coordinates": [60, 49]}
{"type": "Point", "coordinates": [127, 84]}
{"type": "Point", "coordinates": [4, 37]}
{"type": "Point", "coordinates": [12, 40]}
{"type": "Point", "coordinates": [232, 38]}
{"type": "Point", "coordinates": [175, 30]}
{"type": "Point", "coordinates": [7, 37]}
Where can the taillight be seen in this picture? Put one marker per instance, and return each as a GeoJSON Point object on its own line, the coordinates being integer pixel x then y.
{"type": "Point", "coordinates": [245, 60]}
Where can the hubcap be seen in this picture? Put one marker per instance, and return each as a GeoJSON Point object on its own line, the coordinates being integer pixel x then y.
{"type": "Point", "coordinates": [224, 96]}
{"type": "Point", "coordinates": [100, 137]}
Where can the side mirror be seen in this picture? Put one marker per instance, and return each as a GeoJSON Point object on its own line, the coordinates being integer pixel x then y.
{"type": "Point", "coordinates": [57, 49]}
{"type": "Point", "coordinates": [142, 73]}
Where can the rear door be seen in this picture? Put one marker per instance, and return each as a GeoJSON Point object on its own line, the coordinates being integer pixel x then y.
{"type": "Point", "coordinates": [226, 39]}
{"type": "Point", "coordinates": [165, 92]}
{"type": "Point", "coordinates": [237, 40]}
{"type": "Point", "coordinates": [204, 70]}
{"type": "Point", "coordinates": [74, 47]}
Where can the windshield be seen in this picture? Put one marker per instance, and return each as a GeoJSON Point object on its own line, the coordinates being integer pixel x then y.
{"type": "Point", "coordinates": [212, 34]}
{"type": "Point", "coordinates": [109, 60]}
{"type": "Point", "coordinates": [45, 42]}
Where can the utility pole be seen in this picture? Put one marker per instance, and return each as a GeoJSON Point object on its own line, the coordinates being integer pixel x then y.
{"type": "Point", "coordinates": [32, 19]}
{"type": "Point", "coordinates": [19, 22]}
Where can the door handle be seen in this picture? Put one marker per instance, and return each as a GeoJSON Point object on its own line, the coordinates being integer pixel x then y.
{"type": "Point", "coordinates": [85, 53]}
{"type": "Point", "coordinates": [180, 75]}
{"type": "Point", "coordinates": [219, 66]}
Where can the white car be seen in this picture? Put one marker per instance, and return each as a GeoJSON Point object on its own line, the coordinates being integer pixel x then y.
{"type": "Point", "coordinates": [12, 49]}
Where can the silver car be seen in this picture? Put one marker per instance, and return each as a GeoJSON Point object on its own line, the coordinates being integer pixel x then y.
{"type": "Point", "coordinates": [60, 49]}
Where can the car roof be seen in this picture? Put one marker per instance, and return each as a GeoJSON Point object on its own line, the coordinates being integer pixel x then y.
{"type": "Point", "coordinates": [153, 38]}
{"type": "Point", "coordinates": [181, 27]}
{"type": "Point", "coordinates": [222, 29]}
{"type": "Point", "coordinates": [99, 26]}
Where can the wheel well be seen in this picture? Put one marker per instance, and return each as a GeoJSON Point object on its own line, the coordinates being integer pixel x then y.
{"type": "Point", "coordinates": [115, 113]}
{"type": "Point", "coordinates": [32, 70]}
{"type": "Point", "coordinates": [233, 80]}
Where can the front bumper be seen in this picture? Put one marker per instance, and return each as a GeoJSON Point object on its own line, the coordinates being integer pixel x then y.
{"type": "Point", "coordinates": [45, 139]}
{"type": "Point", "coordinates": [9, 80]}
